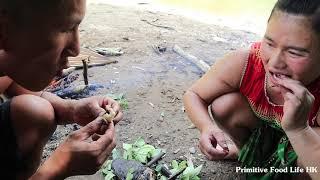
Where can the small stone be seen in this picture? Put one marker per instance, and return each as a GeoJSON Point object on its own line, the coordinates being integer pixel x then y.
{"type": "Point", "coordinates": [176, 151]}
{"type": "Point", "coordinates": [192, 126]}
{"type": "Point", "coordinates": [192, 150]}
{"type": "Point", "coordinates": [183, 109]}
{"type": "Point", "coordinates": [75, 127]}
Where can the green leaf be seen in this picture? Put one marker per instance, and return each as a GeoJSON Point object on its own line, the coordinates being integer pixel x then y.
{"type": "Point", "coordinates": [128, 155]}
{"type": "Point", "coordinates": [107, 165]}
{"type": "Point", "coordinates": [197, 170]}
{"type": "Point", "coordinates": [120, 98]}
{"type": "Point", "coordinates": [155, 152]}
{"type": "Point", "coordinates": [190, 172]}
{"type": "Point", "coordinates": [195, 178]}
{"type": "Point", "coordinates": [130, 174]}
{"type": "Point", "coordinates": [142, 154]}
{"type": "Point", "coordinates": [183, 164]}
{"type": "Point", "coordinates": [163, 178]}
{"type": "Point", "coordinates": [105, 171]}
{"type": "Point", "coordinates": [127, 146]}
{"type": "Point", "coordinates": [116, 154]}
{"type": "Point", "coordinates": [109, 176]}
{"type": "Point", "coordinates": [175, 164]}
{"type": "Point", "coordinates": [139, 142]}
{"type": "Point", "coordinates": [158, 168]}
{"type": "Point", "coordinates": [190, 163]}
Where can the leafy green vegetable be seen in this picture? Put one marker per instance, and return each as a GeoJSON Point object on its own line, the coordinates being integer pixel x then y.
{"type": "Point", "coordinates": [139, 151]}
{"type": "Point", "coordinates": [120, 99]}
{"type": "Point", "coordinates": [107, 171]}
{"type": "Point", "coordinates": [178, 166]}
{"type": "Point", "coordinates": [116, 154]}
{"type": "Point", "coordinates": [130, 174]}
{"type": "Point", "coordinates": [191, 173]}
{"type": "Point", "coordinates": [142, 152]}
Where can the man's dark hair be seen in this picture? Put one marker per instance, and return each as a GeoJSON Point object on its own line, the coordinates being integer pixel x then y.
{"type": "Point", "coordinates": [310, 8]}
{"type": "Point", "coordinates": [20, 10]}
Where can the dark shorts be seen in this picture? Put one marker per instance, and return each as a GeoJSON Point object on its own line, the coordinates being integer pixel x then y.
{"type": "Point", "coordinates": [9, 155]}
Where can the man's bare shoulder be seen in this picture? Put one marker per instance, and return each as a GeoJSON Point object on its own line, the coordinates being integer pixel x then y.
{"type": "Point", "coordinates": [5, 82]}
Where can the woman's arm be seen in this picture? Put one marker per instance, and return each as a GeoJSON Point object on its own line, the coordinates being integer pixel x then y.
{"type": "Point", "coordinates": [223, 77]}
{"type": "Point", "coordinates": [306, 144]}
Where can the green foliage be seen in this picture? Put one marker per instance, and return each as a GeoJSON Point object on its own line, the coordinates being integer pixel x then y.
{"type": "Point", "coordinates": [176, 167]}
{"type": "Point", "coordinates": [142, 152]}
{"type": "Point", "coordinates": [191, 173]}
{"type": "Point", "coordinates": [139, 151]}
{"type": "Point", "coordinates": [120, 99]}
{"type": "Point", "coordinates": [130, 174]}
{"type": "Point", "coordinates": [107, 171]}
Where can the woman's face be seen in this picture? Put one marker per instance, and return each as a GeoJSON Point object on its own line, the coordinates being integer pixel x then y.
{"type": "Point", "coordinates": [290, 48]}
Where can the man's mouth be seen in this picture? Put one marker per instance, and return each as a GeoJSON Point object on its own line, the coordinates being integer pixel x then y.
{"type": "Point", "coordinates": [59, 73]}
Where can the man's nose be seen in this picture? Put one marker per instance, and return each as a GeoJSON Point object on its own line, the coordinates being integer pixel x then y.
{"type": "Point", "coordinates": [277, 60]}
{"type": "Point", "coordinates": [74, 45]}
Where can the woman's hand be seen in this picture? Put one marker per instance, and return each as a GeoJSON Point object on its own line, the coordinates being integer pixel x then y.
{"type": "Point", "coordinates": [208, 144]}
{"type": "Point", "coordinates": [87, 109]}
{"type": "Point", "coordinates": [297, 105]}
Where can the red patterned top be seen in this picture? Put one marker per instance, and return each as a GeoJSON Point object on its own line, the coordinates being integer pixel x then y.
{"type": "Point", "coordinates": [253, 87]}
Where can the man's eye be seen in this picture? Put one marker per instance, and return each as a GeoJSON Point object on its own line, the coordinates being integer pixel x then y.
{"type": "Point", "coordinates": [68, 30]}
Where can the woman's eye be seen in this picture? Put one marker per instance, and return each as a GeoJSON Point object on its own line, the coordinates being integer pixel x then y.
{"type": "Point", "coordinates": [296, 54]}
{"type": "Point", "coordinates": [269, 44]}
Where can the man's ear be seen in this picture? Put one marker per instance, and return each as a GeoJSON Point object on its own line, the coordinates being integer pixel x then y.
{"type": "Point", "coordinates": [3, 29]}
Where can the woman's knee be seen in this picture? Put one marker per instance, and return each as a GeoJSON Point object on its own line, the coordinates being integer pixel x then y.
{"type": "Point", "coordinates": [231, 109]}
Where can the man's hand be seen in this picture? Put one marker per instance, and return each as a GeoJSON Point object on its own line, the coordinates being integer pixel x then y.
{"type": "Point", "coordinates": [208, 144]}
{"type": "Point", "coordinates": [297, 105]}
{"type": "Point", "coordinates": [82, 153]}
{"type": "Point", "coordinates": [87, 109]}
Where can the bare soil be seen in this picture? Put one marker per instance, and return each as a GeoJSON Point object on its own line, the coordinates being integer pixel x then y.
{"type": "Point", "coordinates": [161, 79]}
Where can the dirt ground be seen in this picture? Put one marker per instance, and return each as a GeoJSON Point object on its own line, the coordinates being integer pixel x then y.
{"type": "Point", "coordinates": [161, 79]}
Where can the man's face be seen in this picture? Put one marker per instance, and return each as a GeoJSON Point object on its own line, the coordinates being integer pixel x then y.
{"type": "Point", "coordinates": [38, 51]}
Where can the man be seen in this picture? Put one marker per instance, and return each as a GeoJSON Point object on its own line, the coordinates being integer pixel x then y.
{"type": "Point", "coordinates": [36, 37]}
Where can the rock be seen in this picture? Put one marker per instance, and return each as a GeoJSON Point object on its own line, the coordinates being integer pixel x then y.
{"type": "Point", "coordinates": [176, 151]}
{"type": "Point", "coordinates": [192, 150]}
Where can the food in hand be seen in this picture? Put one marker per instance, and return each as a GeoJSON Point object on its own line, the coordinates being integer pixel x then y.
{"type": "Point", "coordinates": [109, 115]}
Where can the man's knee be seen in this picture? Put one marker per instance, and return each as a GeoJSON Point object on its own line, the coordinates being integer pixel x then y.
{"type": "Point", "coordinates": [33, 112]}
{"type": "Point", "coordinates": [33, 120]}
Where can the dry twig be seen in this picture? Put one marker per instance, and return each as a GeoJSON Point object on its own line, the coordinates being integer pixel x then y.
{"type": "Point", "coordinates": [85, 70]}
